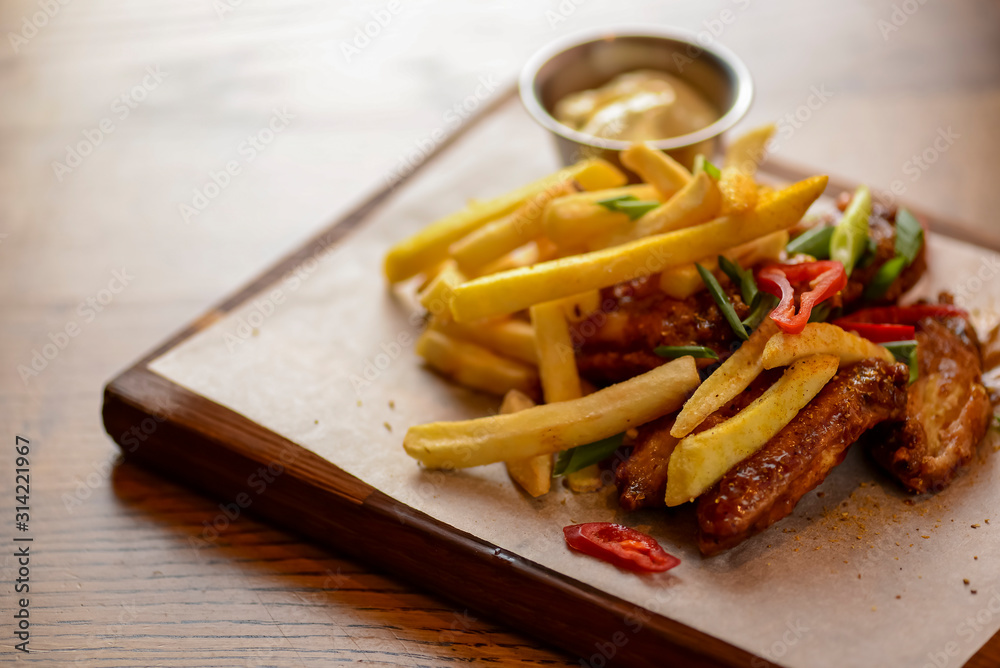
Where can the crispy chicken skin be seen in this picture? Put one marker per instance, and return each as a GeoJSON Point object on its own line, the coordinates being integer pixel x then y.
{"type": "Point", "coordinates": [617, 342]}
{"type": "Point", "coordinates": [947, 410]}
{"type": "Point", "coordinates": [765, 487]}
{"type": "Point", "coordinates": [642, 478]}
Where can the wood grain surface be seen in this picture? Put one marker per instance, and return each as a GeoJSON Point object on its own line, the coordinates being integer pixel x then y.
{"type": "Point", "coordinates": [115, 578]}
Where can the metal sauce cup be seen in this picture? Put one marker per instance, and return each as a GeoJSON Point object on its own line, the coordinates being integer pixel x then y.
{"type": "Point", "coordinates": [591, 59]}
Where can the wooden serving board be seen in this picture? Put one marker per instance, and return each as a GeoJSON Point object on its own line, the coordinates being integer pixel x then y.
{"type": "Point", "coordinates": [182, 434]}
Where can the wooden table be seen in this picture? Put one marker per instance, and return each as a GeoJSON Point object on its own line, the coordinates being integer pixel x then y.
{"type": "Point", "coordinates": [114, 114]}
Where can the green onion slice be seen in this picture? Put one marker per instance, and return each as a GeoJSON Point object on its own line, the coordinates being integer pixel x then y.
{"type": "Point", "coordinates": [814, 242]}
{"type": "Point", "coordinates": [909, 236]}
{"type": "Point", "coordinates": [905, 351]}
{"type": "Point", "coordinates": [884, 278]}
{"type": "Point", "coordinates": [697, 352]}
{"type": "Point", "coordinates": [583, 456]}
{"type": "Point", "coordinates": [728, 312]}
{"type": "Point", "coordinates": [741, 277]}
{"type": "Point", "coordinates": [637, 209]}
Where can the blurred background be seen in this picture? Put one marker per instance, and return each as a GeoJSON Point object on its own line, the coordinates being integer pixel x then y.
{"type": "Point", "coordinates": [115, 118]}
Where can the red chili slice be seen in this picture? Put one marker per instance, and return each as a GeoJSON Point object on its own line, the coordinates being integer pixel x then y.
{"type": "Point", "coordinates": [877, 333]}
{"type": "Point", "coordinates": [619, 545]}
{"type": "Point", "coordinates": [901, 315]}
{"type": "Point", "coordinates": [826, 278]}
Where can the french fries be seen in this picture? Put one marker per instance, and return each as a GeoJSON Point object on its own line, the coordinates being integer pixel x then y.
{"type": "Point", "coordinates": [475, 366]}
{"type": "Point", "coordinates": [578, 307]}
{"type": "Point", "coordinates": [430, 246]}
{"type": "Point", "coordinates": [821, 338]}
{"type": "Point", "coordinates": [748, 150]}
{"type": "Point", "coordinates": [697, 202]}
{"type": "Point", "coordinates": [700, 460]}
{"type": "Point", "coordinates": [508, 338]}
{"type": "Point", "coordinates": [554, 427]}
{"type": "Point", "coordinates": [731, 378]}
{"type": "Point", "coordinates": [684, 281]}
{"type": "Point", "coordinates": [559, 376]}
{"type": "Point", "coordinates": [499, 237]}
{"type": "Point", "coordinates": [571, 220]}
{"type": "Point", "coordinates": [511, 291]}
{"type": "Point", "coordinates": [738, 190]}
{"type": "Point", "coordinates": [533, 474]}
{"type": "Point", "coordinates": [656, 167]}
{"type": "Point", "coordinates": [436, 297]}
{"type": "Point", "coordinates": [556, 359]}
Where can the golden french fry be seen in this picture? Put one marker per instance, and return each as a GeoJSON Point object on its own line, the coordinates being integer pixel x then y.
{"type": "Point", "coordinates": [731, 378]}
{"type": "Point", "coordinates": [821, 338]}
{"type": "Point", "coordinates": [553, 427]}
{"type": "Point", "coordinates": [578, 307]}
{"type": "Point", "coordinates": [560, 377]}
{"type": "Point", "coordinates": [697, 202]}
{"type": "Point", "coordinates": [556, 358]}
{"type": "Point", "coordinates": [437, 296]}
{"type": "Point", "coordinates": [739, 191]}
{"type": "Point", "coordinates": [684, 281]}
{"type": "Point", "coordinates": [430, 246]}
{"type": "Point", "coordinates": [533, 474]}
{"type": "Point", "coordinates": [511, 291]}
{"type": "Point", "coordinates": [571, 223]}
{"type": "Point", "coordinates": [571, 220]}
{"type": "Point", "coordinates": [508, 338]}
{"type": "Point", "coordinates": [749, 149]}
{"type": "Point", "coordinates": [475, 366]}
{"type": "Point", "coordinates": [700, 460]}
{"type": "Point", "coordinates": [656, 167]}
{"type": "Point", "coordinates": [499, 237]}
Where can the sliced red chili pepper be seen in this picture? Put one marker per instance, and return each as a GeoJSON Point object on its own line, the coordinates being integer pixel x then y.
{"type": "Point", "coordinates": [620, 545]}
{"type": "Point", "coordinates": [825, 278]}
{"type": "Point", "coordinates": [877, 333]}
{"type": "Point", "coordinates": [902, 315]}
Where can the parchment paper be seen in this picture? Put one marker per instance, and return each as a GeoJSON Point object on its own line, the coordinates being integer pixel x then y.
{"type": "Point", "coordinates": [859, 575]}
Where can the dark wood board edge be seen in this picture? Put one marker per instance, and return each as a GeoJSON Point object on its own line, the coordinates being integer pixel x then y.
{"type": "Point", "coordinates": [139, 394]}
{"type": "Point", "coordinates": [193, 441]}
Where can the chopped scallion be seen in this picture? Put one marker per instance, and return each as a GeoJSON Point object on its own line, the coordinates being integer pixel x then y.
{"type": "Point", "coordinates": [814, 242]}
{"type": "Point", "coordinates": [697, 352]}
{"type": "Point", "coordinates": [722, 300]}
{"type": "Point", "coordinates": [582, 456]}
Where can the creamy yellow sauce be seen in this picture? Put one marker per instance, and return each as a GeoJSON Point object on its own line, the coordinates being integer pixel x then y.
{"type": "Point", "coordinates": [643, 105]}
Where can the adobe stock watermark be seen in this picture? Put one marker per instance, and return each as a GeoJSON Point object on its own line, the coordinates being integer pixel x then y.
{"type": "Point", "coordinates": [88, 310]}
{"type": "Point", "coordinates": [255, 485]}
{"type": "Point", "coordinates": [264, 306]}
{"type": "Point", "coordinates": [919, 163]}
{"type": "Point", "coordinates": [452, 119]}
{"type": "Point", "coordinates": [248, 149]}
{"type": "Point", "coordinates": [969, 630]}
{"type": "Point", "coordinates": [795, 119]}
{"type": "Point", "coordinates": [898, 17]}
{"type": "Point", "coordinates": [130, 440]}
{"type": "Point", "coordinates": [121, 107]}
{"type": "Point", "coordinates": [794, 633]}
{"type": "Point", "coordinates": [32, 25]}
{"type": "Point", "coordinates": [365, 34]}
{"type": "Point", "coordinates": [970, 285]}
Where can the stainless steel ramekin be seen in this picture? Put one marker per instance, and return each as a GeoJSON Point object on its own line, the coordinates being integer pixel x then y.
{"type": "Point", "coordinates": [591, 59]}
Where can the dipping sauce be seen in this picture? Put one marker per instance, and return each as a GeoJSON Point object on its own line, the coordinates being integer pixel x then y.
{"type": "Point", "coordinates": [643, 105]}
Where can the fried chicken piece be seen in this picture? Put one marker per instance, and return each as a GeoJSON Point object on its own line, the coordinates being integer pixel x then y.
{"type": "Point", "coordinates": [617, 342]}
{"type": "Point", "coordinates": [765, 487]}
{"type": "Point", "coordinates": [948, 409]}
{"type": "Point", "coordinates": [642, 478]}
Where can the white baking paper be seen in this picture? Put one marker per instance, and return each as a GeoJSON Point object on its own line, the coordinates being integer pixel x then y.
{"type": "Point", "coordinates": [859, 575]}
